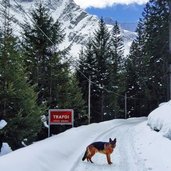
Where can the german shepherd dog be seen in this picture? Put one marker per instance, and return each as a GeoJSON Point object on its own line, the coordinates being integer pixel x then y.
{"type": "Point", "coordinates": [101, 147]}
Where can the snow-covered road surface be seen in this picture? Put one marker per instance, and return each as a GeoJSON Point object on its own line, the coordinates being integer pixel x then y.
{"type": "Point", "coordinates": [124, 157]}
{"type": "Point", "coordinates": [138, 149]}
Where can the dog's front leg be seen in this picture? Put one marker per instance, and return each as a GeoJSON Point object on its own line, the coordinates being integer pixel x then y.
{"type": "Point", "coordinates": [108, 159]}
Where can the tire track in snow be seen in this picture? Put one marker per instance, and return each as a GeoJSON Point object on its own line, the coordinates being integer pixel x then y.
{"type": "Point", "coordinates": [124, 157]}
{"type": "Point", "coordinates": [97, 138]}
{"type": "Point", "coordinates": [127, 159]}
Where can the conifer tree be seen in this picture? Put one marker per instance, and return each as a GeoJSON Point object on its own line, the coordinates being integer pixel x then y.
{"type": "Point", "coordinates": [136, 74]}
{"type": "Point", "coordinates": [101, 45]}
{"type": "Point", "coordinates": [18, 100]}
{"type": "Point", "coordinates": [94, 64]}
{"type": "Point", "coordinates": [148, 60]}
{"type": "Point", "coordinates": [86, 69]}
{"type": "Point", "coordinates": [73, 99]}
{"type": "Point", "coordinates": [156, 15]}
{"type": "Point", "coordinates": [116, 69]}
{"type": "Point", "coordinates": [49, 70]}
{"type": "Point", "coordinates": [41, 40]}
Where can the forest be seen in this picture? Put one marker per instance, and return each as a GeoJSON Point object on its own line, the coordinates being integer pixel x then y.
{"type": "Point", "coordinates": [35, 75]}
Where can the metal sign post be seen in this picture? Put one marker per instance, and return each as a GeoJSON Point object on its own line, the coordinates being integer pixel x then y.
{"type": "Point", "coordinates": [60, 117]}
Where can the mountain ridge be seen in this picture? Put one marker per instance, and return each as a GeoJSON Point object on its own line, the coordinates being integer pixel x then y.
{"type": "Point", "coordinates": [76, 22]}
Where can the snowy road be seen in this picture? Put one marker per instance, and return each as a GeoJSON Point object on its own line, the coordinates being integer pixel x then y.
{"type": "Point", "coordinates": [124, 157]}
{"type": "Point", "coordinates": [138, 149]}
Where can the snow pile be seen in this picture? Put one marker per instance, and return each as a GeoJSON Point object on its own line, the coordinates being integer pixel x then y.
{"type": "Point", "coordinates": [3, 123]}
{"type": "Point", "coordinates": [5, 147]}
{"type": "Point", "coordinates": [160, 119]}
{"type": "Point", "coordinates": [151, 147]}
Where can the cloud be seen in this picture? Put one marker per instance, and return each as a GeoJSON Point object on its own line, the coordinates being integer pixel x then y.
{"type": "Point", "coordinates": [106, 3]}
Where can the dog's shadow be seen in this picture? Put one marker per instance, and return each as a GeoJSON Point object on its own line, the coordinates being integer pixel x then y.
{"type": "Point", "coordinates": [93, 166]}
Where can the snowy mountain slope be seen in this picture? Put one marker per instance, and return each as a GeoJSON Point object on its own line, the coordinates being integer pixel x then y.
{"type": "Point", "coordinates": [77, 24]}
{"type": "Point", "coordinates": [137, 149]}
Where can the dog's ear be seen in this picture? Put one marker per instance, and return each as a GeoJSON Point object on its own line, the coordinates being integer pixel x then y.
{"type": "Point", "coordinates": [110, 140]}
{"type": "Point", "coordinates": [114, 140]}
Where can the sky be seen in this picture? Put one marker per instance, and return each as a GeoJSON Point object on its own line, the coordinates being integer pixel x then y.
{"type": "Point", "coordinates": [126, 12]}
{"type": "Point", "coordinates": [138, 148]}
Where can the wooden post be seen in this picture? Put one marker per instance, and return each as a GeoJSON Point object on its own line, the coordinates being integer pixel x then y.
{"type": "Point", "coordinates": [89, 99]}
{"type": "Point", "coordinates": [125, 105]}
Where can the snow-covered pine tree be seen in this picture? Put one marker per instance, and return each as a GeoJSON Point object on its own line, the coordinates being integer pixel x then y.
{"type": "Point", "coordinates": [116, 72]}
{"type": "Point", "coordinates": [18, 100]}
{"type": "Point", "coordinates": [136, 74]}
{"type": "Point", "coordinates": [147, 62]}
{"type": "Point", "coordinates": [94, 63]}
{"type": "Point", "coordinates": [155, 50]}
{"type": "Point", "coordinates": [41, 38]}
{"type": "Point", "coordinates": [48, 67]}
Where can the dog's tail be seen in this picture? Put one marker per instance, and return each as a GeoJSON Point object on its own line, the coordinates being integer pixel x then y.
{"type": "Point", "coordinates": [85, 155]}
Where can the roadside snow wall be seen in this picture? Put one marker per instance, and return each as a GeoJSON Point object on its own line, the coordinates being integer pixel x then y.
{"type": "Point", "coordinates": [160, 119]}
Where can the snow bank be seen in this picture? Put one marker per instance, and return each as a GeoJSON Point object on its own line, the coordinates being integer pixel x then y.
{"type": "Point", "coordinates": [5, 149]}
{"type": "Point", "coordinates": [160, 119]}
{"type": "Point", "coordinates": [3, 123]}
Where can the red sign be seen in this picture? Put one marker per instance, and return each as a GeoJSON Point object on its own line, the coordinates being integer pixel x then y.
{"type": "Point", "coordinates": [61, 116]}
